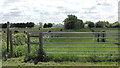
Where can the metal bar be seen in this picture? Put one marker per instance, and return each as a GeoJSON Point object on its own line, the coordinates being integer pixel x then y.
{"type": "Point", "coordinates": [98, 56]}
{"type": "Point", "coordinates": [79, 37]}
{"type": "Point", "coordinates": [81, 42]}
{"type": "Point", "coordinates": [87, 46]}
{"type": "Point", "coordinates": [84, 50]}
{"type": "Point", "coordinates": [87, 53]}
{"type": "Point", "coordinates": [76, 32]}
{"type": "Point", "coordinates": [33, 36]}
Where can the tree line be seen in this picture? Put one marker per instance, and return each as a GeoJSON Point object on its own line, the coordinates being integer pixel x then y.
{"type": "Point", "coordinates": [19, 25]}
{"type": "Point", "coordinates": [72, 22]}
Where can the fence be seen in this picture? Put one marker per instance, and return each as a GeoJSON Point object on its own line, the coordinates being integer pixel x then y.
{"type": "Point", "coordinates": [41, 42]}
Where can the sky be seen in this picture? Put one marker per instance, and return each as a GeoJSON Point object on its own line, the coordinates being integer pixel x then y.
{"type": "Point", "coordinates": [55, 11]}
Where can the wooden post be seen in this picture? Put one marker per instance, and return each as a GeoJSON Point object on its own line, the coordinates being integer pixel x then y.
{"type": "Point", "coordinates": [98, 35]}
{"type": "Point", "coordinates": [28, 42]}
{"type": "Point", "coordinates": [8, 37]}
{"type": "Point", "coordinates": [41, 41]}
{"type": "Point", "coordinates": [103, 36]}
{"type": "Point", "coordinates": [11, 45]}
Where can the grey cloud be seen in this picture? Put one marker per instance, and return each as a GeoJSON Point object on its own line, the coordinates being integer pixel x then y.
{"type": "Point", "coordinates": [10, 14]}
{"type": "Point", "coordinates": [110, 16]}
{"type": "Point", "coordinates": [11, 1]}
{"type": "Point", "coordinates": [14, 9]}
{"type": "Point", "coordinates": [60, 7]}
{"type": "Point", "coordinates": [102, 3]}
{"type": "Point", "coordinates": [70, 12]}
{"type": "Point", "coordinates": [90, 10]}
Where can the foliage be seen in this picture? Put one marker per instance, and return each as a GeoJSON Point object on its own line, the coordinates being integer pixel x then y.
{"type": "Point", "coordinates": [4, 25]}
{"type": "Point", "coordinates": [102, 24]}
{"type": "Point", "coordinates": [73, 23]}
{"type": "Point", "coordinates": [49, 25]}
{"type": "Point", "coordinates": [19, 25]}
{"type": "Point", "coordinates": [4, 49]}
{"type": "Point", "coordinates": [19, 51]}
{"type": "Point", "coordinates": [115, 25]}
{"type": "Point", "coordinates": [19, 39]}
{"type": "Point", "coordinates": [90, 24]}
{"type": "Point", "coordinates": [36, 56]}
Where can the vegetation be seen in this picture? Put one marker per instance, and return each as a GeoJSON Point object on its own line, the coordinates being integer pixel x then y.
{"type": "Point", "coordinates": [73, 23]}
{"type": "Point", "coordinates": [90, 24]}
{"type": "Point", "coordinates": [19, 25]}
{"type": "Point", "coordinates": [49, 25]}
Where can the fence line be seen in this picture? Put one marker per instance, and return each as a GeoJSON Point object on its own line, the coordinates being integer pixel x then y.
{"type": "Point", "coordinates": [81, 42]}
{"type": "Point", "coordinates": [30, 35]}
{"type": "Point", "coordinates": [77, 32]}
{"type": "Point", "coordinates": [79, 37]}
{"type": "Point", "coordinates": [87, 46]}
{"type": "Point", "coordinates": [84, 50]}
{"type": "Point", "coordinates": [40, 36]}
{"type": "Point", "coordinates": [88, 53]}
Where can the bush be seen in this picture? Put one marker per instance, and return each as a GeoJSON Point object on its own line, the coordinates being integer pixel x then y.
{"type": "Point", "coordinates": [35, 55]}
{"type": "Point", "coordinates": [19, 39]}
{"type": "Point", "coordinates": [19, 50]}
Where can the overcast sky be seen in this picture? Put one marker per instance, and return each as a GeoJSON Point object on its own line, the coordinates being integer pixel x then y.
{"type": "Point", "coordinates": [56, 11]}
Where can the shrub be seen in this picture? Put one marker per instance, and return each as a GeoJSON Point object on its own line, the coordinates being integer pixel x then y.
{"type": "Point", "coordinates": [19, 39]}
{"type": "Point", "coordinates": [36, 55]}
{"type": "Point", "coordinates": [20, 50]}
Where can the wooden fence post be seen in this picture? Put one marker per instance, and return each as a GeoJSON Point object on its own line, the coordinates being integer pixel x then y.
{"type": "Point", "coordinates": [98, 35]}
{"type": "Point", "coordinates": [28, 42]}
{"type": "Point", "coordinates": [103, 36]}
{"type": "Point", "coordinates": [41, 41]}
{"type": "Point", "coordinates": [8, 36]}
{"type": "Point", "coordinates": [11, 45]}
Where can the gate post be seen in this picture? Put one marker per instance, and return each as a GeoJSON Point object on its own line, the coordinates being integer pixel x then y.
{"type": "Point", "coordinates": [8, 36]}
{"type": "Point", "coordinates": [98, 35]}
{"type": "Point", "coordinates": [41, 41]}
{"type": "Point", "coordinates": [28, 42]}
{"type": "Point", "coordinates": [11, 45]}
{"type": "Point", "coordinates": [103, 36]}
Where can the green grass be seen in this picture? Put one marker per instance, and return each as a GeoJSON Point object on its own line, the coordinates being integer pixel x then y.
{"type": "Point", "coordinates": [17, 62]}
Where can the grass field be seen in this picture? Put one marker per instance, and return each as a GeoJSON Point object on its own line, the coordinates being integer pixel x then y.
{"type": "Point", "coordinates": [67, 58]}
{"type": "Point", "coordinates": [17, 62]}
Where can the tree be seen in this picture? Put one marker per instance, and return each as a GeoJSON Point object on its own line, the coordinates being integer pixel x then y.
{"type": "Point", "coordinates": [115, 25]}
{"type": "Point", "coordinates": [30, 24]}
{"type": "Point", "coordinates": [45, 25]}
{"type": "Point", "coordinates": [90, 24]}
{"type": "Point", "coordinates": [72, 22]}
{"type": "Point", "coordinates": [50, 25]}
{"type": "Point", "coordinates": [102, 24]}
{"type": "Point", "coordinates": [4, 25]}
